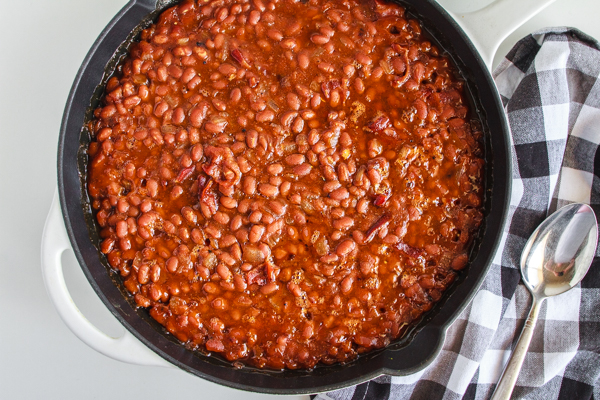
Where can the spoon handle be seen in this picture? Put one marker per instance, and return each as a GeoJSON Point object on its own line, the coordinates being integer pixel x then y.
{"type": "Point", "coordinates": [511, 372]}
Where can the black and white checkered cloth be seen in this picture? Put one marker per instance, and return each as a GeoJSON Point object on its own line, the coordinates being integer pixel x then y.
{"type": "Point", "coordinates": [550, 87]}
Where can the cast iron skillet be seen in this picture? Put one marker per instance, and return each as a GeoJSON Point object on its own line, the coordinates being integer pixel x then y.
{"type": "Point", "coordinates": [407, 355]}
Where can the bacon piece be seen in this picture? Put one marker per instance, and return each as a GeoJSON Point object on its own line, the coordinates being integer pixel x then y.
{"type": "Point", "coordinates": [327, 87]}
{"type": "Point", "coordinates": [409, 250]}
{"type": "Point", "coordinates": [384, 220]}
{"type": "Point", "coordinates": [207, 196]}
{"type": "Point", "coordinates": [222, 167]}
{"type": "Point", "coordinates": [256, 275]}
{"type": "Point", "coordinates": [379, 124]}
{"type": "Point", "coordinates": [185, 173]}
{"type": "Point", "coordinates": [271, 271]}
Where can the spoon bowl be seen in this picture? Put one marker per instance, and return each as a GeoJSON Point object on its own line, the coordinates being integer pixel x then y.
{"type": "Point", "coordinates": [555, 259]}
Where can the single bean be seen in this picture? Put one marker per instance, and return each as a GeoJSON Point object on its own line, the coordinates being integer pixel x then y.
{"type": "Point", "coordinates": [294, 159]}
{"type": "Point", "coordinates": [343, 223]}
{"type": "Point", "coordinates": [269, 288]}
{"type": "Point", "coordinates": [268, 190]}
{"type": "Point", "coordinates": [302, 169]}
{"type": "Point", "coordinates": [236, 223]}
{"type": "Point", "coordinates": [339, 194]}
{"type": "Point", "coordinates": [345, 247]}
{"type": "Point", "coordinates": [249, 185]}
{"type": "Point", "coordinates": [275, 169]}
{"type": "Point", "coordinates": [346, 284]}
{"type": "Point", "coordinates": [229, 202]}
{"type": "Point", "coordinates": [256, 233]}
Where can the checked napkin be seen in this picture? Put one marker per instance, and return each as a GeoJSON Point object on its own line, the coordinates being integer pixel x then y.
{"type": "Point", "coordinates": [550, 88]}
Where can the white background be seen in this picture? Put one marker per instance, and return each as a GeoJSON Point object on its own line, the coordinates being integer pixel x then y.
{"type": "Point", "coordinates": [42, 44]}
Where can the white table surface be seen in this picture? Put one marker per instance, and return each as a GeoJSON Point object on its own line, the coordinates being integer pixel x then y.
{"type": "Point", "coordinates": [42, 44]}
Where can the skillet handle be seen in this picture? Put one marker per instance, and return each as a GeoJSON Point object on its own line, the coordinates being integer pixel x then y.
{"type": "Point", "coordinates": [488, 27]}
{"type": "Point", "coordinates": [126, 348]}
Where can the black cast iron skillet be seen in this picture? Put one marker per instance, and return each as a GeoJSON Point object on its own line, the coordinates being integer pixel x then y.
{"type": "Point", "coordinates": [407, 355]}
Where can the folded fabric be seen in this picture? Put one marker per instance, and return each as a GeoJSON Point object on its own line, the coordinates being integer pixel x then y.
{"type": "Point", "coordinates": [550, 88]}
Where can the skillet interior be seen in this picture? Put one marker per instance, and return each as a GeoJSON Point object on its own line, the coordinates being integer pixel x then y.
{"type": "Point", "coordinates": [407, 355]}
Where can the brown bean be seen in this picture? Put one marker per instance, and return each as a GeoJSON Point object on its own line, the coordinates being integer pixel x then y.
{"type": "Point", "coordinates": [219, 104]}
{"type": "Point", "coordinates": [319, 39]}
{"type": "Point", "coordinates": [254, 17]}
{"type": "Point", "coordinates": [289, 44]}
{"type": "Point", "coordinates": [391, 239]}
{"type": "Point", "coordinates": [221, 218]}
{"type": "Point", "coordinates": [343, 223]}
{"type": "Point", "coordinates": [362, 206]}
{"type": "Point", "coordinates": [274, 34]}
{"type": "Point", "coordinates": [239, 282]}
{"type": "Point", "coordinates": [294, 289]}
{"type": "Point", "coordinates": [329, 258]}
{"type": "Point", "coordinates": [339, 194]}
{"type": "Point", "coordinates": [216, 124]}
{"type": "Point", "coordinates": [143, 276]}
{"type": "Point", "coordinates": [244, 205]}
{"type": "Point", "coordinates": [196, 152]}
{"type": "Point", "coordinates": [287, 118]}
{"type": "Point", "coordinates": [330, 186]}
{"type": "Point", "coordinates": [265, 116]}
{"type": "Point", "coordinates": [275, 169]}
{"type": "Point", "coordinates": [303, 60]}
{"type": "Point", "coordinates": [302, 169]}
{"type": "Point", "coordinates": [255, 216]}
{"type": "Point", "coordinates": [229, 202]}
{"type": "Point", "coordinates": [359, 86]}
{"type": "Point", "coordinates": [236, 223]}
{"type": "Point", "coordinates": [298, 125]}
{"type": "Point", "coordinates": [294, 159]}
{"type": "Point", "coordinates": [227, 69]}
{"type": "Point", "coordinates": [459, 262]}
{"type": "Point", "coordinates": [228, 240]}
{"type": "Point", "coordinates": [268, 190]}
{"type": "Point", "coordinates": [211, 288]}
{"type": "Point", "coordinates": [269, 288]}
{"type": "Point", "coordinates": [252, 138]}
{"type": "Point", "coordinates": [346, 284]}
{"type": "Point", "coordinates": [223, 272]}
{"type": "Point", "coordinates": [122, 229]}
{"type": "Point", "coordinates": [198, 113]}
{"type": "Point", "coordinates": [189, 214]}
{"type": "Point", "coordinates": [293, 101]}
{"type": "Point", "coordinates": [249, 185]}
{"type": "Point", "coordinates": [256, 233]}
{"type": "Point", "coordinates": [275, 226]}
{"type": "Point", "coordinates": [142, 301]}
{"type": "Point", "coordinates": [235, 95]}
{"type": "Point", "coordinates": [345, 247]}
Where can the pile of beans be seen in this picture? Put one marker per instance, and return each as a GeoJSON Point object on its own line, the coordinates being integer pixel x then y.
{"type": "Point", "coordinates": [285, 182]}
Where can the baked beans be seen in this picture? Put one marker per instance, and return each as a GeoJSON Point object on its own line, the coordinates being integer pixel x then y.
{"type": "Point", "coordinates": [285, 182]}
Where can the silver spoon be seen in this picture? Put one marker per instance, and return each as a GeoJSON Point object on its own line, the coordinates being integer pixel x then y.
{"type": "Point", "coordinates": [556, 257]}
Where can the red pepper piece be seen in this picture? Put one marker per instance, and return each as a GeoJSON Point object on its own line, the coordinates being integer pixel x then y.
{"type": "Point", "coordinates": [237, 55]}
{"type": "Point", "coordinates": [380, 200]}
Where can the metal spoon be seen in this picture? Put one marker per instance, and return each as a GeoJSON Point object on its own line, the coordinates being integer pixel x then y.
{"type": "Point", "coordinates": [556, 257]}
